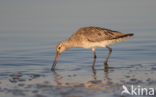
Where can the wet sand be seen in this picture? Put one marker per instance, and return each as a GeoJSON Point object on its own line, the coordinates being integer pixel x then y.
{"type": "Point", "coordinates": [98, 83]}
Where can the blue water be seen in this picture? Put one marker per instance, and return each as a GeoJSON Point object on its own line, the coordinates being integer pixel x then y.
{"type": "Point", "coordinates": [30, 30]}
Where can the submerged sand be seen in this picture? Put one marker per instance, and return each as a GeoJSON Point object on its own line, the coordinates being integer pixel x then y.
{"type": "Point", "coordinates": [60, 83]}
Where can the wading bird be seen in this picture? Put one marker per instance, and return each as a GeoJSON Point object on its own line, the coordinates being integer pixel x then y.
{"type": "Point", "coordinates": [91, 38]}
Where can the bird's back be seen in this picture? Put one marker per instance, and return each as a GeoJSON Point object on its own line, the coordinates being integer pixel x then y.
{"type": "Point", "coordinates": [95, 34]}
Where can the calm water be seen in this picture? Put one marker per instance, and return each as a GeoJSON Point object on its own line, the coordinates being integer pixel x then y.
{"type": "Point", "coordinates": [30, 30]}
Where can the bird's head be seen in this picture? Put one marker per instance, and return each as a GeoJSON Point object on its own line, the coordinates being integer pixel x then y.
{"type": "Point", "coordinates": [60, 47]}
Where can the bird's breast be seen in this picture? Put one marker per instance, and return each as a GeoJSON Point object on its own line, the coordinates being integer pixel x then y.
{"type": "Point", "coordinates": [95, 44]}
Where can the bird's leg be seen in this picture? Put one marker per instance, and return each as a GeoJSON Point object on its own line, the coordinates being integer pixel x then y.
{"type": "Point", "coordinates": [93, 49]}
{"type": "Point", "coordinates": [110, 51]}
{"type": "Point", "coordinates": [93, 64]}
{"type": "Point", "coordinates": [93, 69]}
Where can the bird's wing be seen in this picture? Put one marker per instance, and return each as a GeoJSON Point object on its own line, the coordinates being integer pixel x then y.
{"type": "Point", "coordinates": [96, 34]}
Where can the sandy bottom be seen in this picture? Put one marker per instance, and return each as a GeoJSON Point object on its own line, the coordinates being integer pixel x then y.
{"type": "Point", "coordinates": [76, 83]}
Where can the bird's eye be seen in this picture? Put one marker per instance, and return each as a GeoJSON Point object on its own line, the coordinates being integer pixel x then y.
{"type": "Point", "coordinates": [59, 47]}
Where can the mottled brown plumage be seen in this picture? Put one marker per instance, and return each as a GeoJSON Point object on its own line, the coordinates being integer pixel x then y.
{"type": "Point", "coordinates": [96, 34]}
{"type": "Point", "coordinates": [91, 37]}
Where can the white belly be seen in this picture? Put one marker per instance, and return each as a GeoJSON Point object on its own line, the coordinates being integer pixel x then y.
{"type": "Point", "coordinates": [99, 44]}
{"type": "Point", "coordinates": [95, 44]}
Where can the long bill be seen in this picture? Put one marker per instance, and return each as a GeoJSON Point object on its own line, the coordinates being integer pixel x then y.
{"type": "Point", "coordinates": [55, 61]}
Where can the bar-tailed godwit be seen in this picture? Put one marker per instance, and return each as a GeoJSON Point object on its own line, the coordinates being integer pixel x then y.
{"type": "Point", "coordinates": [91, 38]}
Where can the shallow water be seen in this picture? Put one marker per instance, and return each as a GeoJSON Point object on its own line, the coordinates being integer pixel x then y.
{"type": "Point", "coordinates": [27, 50]}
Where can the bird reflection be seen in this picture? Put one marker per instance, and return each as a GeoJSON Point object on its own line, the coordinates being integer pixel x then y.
{"type": "Point", "coordinates": [57, 78]}
{"type": "Point", "coordinates": [95, 83]}
{"type": "Point", "coordinates": [91, 83]}
{"type": "Point", "coordinates": [106, 67]}
{"type": "Point", "coordinates": [106, 71]}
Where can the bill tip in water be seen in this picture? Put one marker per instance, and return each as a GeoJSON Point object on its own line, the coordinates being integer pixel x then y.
{"type": "Point", "coordinates": [52, 69]}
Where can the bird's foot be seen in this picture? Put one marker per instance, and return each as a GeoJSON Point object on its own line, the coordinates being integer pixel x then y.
{"type": "Point", "coordinates": [52, 69]}
{"type": "Point", "coordinates": [106, 65]}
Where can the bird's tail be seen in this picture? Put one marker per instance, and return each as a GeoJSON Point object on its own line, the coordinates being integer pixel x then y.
{"type": "Point", "coordinates": [125, 36]}
{"type": "Point", "coordinates": [120, 38]}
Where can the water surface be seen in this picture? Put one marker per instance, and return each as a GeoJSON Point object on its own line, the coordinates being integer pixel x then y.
{"type": "Point", "coordinates": [30, 30]}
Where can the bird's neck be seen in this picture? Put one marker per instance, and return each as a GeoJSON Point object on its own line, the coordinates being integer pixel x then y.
{"type": "Point", "coordinates": [70, 44]}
